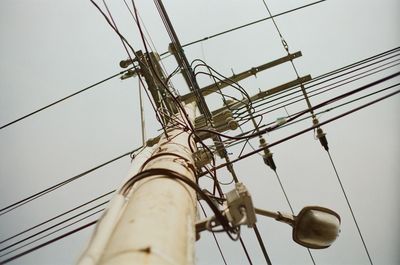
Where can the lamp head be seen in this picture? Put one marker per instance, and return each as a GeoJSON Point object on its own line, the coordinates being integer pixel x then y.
{"type": "Point", "coordinates": [316, 227]}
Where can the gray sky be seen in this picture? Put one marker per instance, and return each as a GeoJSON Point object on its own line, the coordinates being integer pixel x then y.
{"type": "Point", "coordinates": [50, 49]}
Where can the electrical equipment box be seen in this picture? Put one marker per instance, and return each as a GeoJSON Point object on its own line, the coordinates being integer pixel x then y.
{"type": "Point", "coordinates": [240, 209]}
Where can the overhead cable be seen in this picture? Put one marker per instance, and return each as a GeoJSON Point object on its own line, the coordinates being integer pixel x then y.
{"type": "Point", "coordinates": [301, 113]}
{"type": "Point", "coordinates": [62, 99]}
{"type": "Point", "coordinates": [53, 232]}
{"type": "Point", "coordinates": [306, 130]}
{"type": "Point", "coordinates": [215, 238]}
{"type": "Point", "coordinates": [312, 93]}
{"type": "Point", "coordinates": [231, 143]}
{"type": "Point", "coordinates": [311, 84]}
{"type": "Point", "coordinates": [350, 208]}
{"type": "Point", "coordinates": [246, 25]}
{"type": "Point", "coordinates": [48, 242]}
{"type": "Point", "coordinates": [325, 76]}
{"type": "Point", "coordinates": [59, 185]}
{"type": "Point", "coordinates": [49, 228]}
{"type": "Point", "coordinates": [111, 24]}
{"type": "Point", "coordinates": [56, 217]}
{"type": "Point", "coordinates": [303, 90]}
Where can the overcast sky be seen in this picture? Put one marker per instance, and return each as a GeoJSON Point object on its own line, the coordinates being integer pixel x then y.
{"type": "Point", "coordinates": [50, 49]}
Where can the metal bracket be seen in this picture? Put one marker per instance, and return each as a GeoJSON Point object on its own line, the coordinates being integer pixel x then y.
{"type": "Point", "coordinates": [239, 210]}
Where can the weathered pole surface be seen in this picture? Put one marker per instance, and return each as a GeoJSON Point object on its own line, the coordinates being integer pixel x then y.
{"type": "Point", "coordinates": [157, 224]}
{"type": "Point", "coordinates": [105, 226]}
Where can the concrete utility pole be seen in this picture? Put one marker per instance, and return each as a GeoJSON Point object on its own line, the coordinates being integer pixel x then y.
{"type": "Point", "coordinates": [105, 226]}
{"type": "Point", "coordinates": [157, 224]}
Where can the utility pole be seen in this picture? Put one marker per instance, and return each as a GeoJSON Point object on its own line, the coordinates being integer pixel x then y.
{"type": "Point", "coordinates": [153, 221]}
{"type": "Point", "coordinates": [152, 218]}
{"type": "Point", "coordinates": [157, 225]}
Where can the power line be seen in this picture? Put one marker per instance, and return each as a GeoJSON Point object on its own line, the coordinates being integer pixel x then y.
{"type": "Point", "coordinates": [193, 85]}
{"type": "Point", "coordinates": [49, 228]}
{"type": "Point", "coordinates": [301, 113]}
{"type": "Point", "coordinates": [326, 88]}
{"type": "Point", "coordinates": [51, 233]}
{"type": "Point", "coordinates": [371, 103]}
{"type": "Point", "coordinates": [48, 242]}
{"type": "Point", "coordinates": [110, 23]}
{"type": "Point", "coordinates": [272, 165]}
{"type": "Point", "coordinates": [231, 143]}
{"type": "Point", "coordinates": [340, 105]}
{"type": "Point", "coordinates": [245, 250]}
{"type": "Point", "coordinates": [246, 25]}
{"type": "Point", "coordinates": [284, 192]}
{"type": "Point", "coordinates": [337, 71]}
{"type": "Point", "coordinates": [56, 217]}
{"type": "Point", "coordinates": [305, 130]}
{"type": "Point", "coordinates": [264, 251]}
{"type": "Point", "coordinates": [215, 238]}
{"type": "Point", "coordinates": [325, 122]}
{"type": "Point", "coordinates": [62, 99]}
{"type": "Point", "coordinates": [289, 93]}
{"type": "Point", "coordinates": [355, 64]}
{"type": "Point", "coordinates": [350, 208]}
{"type": "Point", "coordinates": [303, 90]}
{"type": "Point", "coordinates": [59, 185]}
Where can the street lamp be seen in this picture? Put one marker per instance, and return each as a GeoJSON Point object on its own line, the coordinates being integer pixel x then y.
{"type": "Point", "coordinates": [314, 227]}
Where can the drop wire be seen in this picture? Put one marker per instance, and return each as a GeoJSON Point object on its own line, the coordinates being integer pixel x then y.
{"type": "Point", "coordinates": [350, 208]}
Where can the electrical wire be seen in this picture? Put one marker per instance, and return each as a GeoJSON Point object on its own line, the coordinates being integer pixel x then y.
{"type": "Point", "coordinates": [264, 250]}
{"type": "Point", "coordinates": [149, 40]}
{"type": "Point", "coordinates": [246, 25]}
{"type": "Point", "coordinates": [62, 99]}
{"type": "Point", "coordinates": [330, 86]}
{"type": "Point", "coordinates": [56, 217]}
{"type": "Point", "coordinates": [115, 26]}
{"type": "Point", "coordinates": [48, 242]}
{"type": "Point", "coordinates": [230, 144]}
{"type": "Point", "coordinates": [51, 233]}
{"type": "Point", "coordinates": [110, 23]}
{"type": "Point", "coordinates": [313, 82]}
{"type": "Point", "coordinates": [49, 228]}
{"type": "Point", "coordinates": [37, 195]}
{"type": "Point", "coordinates": [194, 87]}
{"type": "Point", "coordinates": [355, 64]}
{"type": "Point", "coordinates": [154, 72]}
{"type": "Point", "coordinates": [286, 47]}
{"type": "Point", "coordinates": [226, 80]}
{"type": "Point", "coordinates": [306, 130]}
{"type": "Point", "coordinates": [183, 62]}
{"type": "Point", "coordinates": [301, 113]}
{"type": "Point", "coordinates": [142, 120]}
{"type": "Point", "coordinates": [350, 208]}
{"type": "Point", "coordinates": [315, 92]}
{"type": "Point", "coordinates": [339, 70]}
{"type": "Point", "coordinates": [215, 238]}
{"type": "Point", "coordinates": [245, 251]}
{"type": "Point", "coordinates": [174, 175]}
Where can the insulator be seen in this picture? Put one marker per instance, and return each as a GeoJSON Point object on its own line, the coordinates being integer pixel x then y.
{"type": "Point", "coordinates": [267, 156]}
{"type": "Point", "coordinates": [269, 161]}
{"type": "Point", "coordinates": [280, 121]}
{"type": "Point", "coordinates": [128, 74]}
{"type": "Point", "coordinates": [322, 138]}
{"type": "Point", "coordinates": [125, 63]}
{"type": "Point", "coordinates": [232, 123]}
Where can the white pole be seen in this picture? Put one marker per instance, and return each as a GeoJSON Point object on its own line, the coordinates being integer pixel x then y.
{"type": "Point", "coordinates": [157, 225]}
{"type": "Point", "coordinates": [105, 226]}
